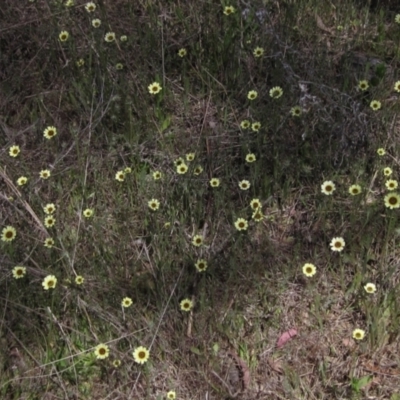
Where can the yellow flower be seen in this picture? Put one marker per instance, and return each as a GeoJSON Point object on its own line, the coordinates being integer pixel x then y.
{"type": "Point", "coordinates": [198, 170]}
{"type": "Point", "coordinates": [276, 92]}
{"type": "Point", "coordinates": [381, 151]}
{"type": "Point", "coordinates": [250, 158]}
{"type": "Point", "coordinates": [49, 282]}
{"type": "Point", "coordinates": [258, 52]}
{"type": "Point", "coordinates": [49, 208]}
{"type": "Point", "coordinates": [154, 204]}
{"type": "Point", "coordinates": [337, 244]}
{"type": "Point", "coordinates": [49, 221]}
{"type": "Point", "coordinates": [363, 85]}
{"type": "Point", "coordinates": [96, 23]}
{"type": "Point", "coordinates": [119, 66]}
{"type": "Point", "coordinates": [391, 184]}
{"type": "Point", "coordinates": [358, 334]}
{"type": "Point", "coordinates": [245, 124]}
{"type": "Point", "coordinates": [88, 212]}
{"type": "Point", "coordinates": [190, 156]}
{"type": "Point", "coordinates": [22, 180]}
{"type": "Point", "coordinates": [392, 201]}
{"type": "Point", "coordinates": [45, 173]}
{"type": "Point", "coordinates": [141, 355]}
{"type": "Point", "coordinates": [79, 279]}
{"type": "Point", "coordinates": [309, 270]}
{"type": "Point", "coordinates": [186, 305]}
{"type": "Point", "coordinates": [50, 132]}
{"type": "Point", "coordinates": [182, 52]}
{"type": "Point", "coordinates": [252, 95]}
{"type": "Point", "coordinates": [244, 185]}
{"type": "Point", "coordinates": [181, 168]}
{"type": "Point", "coordinates": [296, 111]}
{"type": "Point", "coordinates": [49, 243]}
{"type": "Point", "coordinates": [19, 272]}
{"type": "Point", "coordinates": [157, 175]}
{"type": "Point", "coordinates": [154, 88]}
{"type": "Point", "coordinates": [63, 36]}
{"type": "Point", "coordinates": [90, 7]}
{"type": "Point", "coordinates": [214, 182]}
{"type": "Point", "coordinates": [179, 161]}
{"type": "Point", "coordinates": [387, 171]}
{"type": "Point", "coordinates": [120, 176]}
{"type": "Point", "coordinates": [201, 265]}
{"type": "Point", "coordinates": [8, 234]}
{"type": "Point", "coordinates": [397, 86]}
{"type": "Point", "coordinates": [354, 190]}
{"type": "Point", "coordinates": [370, 288]}
{"type": "Point", "coordinates": [255, 204]}
{"type": "Point", "coordinates": [109, 37]}
{"type": "Point", "coordinates": [328, 187]}
{"type": "Point", "coordinates": [197, 240]}
{"type": "Point", "coordinates": [258, 215]}
{"type": "Point", "coordinates": [116, 363]}
{"type": "Point", "coordinates": [123, 38]}
{"type": "Point", "coordinates": [241, 224]}
{"type": "Point", "coordinates": [101, 351]}
{"type": "Point", "coordinates": [14, 151]}
{"type": "Point", "coordinates": [171, 395]}
{"type": "Point", "coordinates": [375, 105]}
{"type": "Point", "coordinates": [126, 302]}
{"type": "Point", "coordinates": [255, 126]}
{"type": "Point", "coordinates": [228, 10]}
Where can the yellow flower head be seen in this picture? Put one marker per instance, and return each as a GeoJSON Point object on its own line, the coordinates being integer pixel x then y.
{"type": "Point", "coordinates": [101, 351]}
{"type": "Point", "coordinates": [14, 151]}
{"type": "Point", "coordinates": [186, 305]}
{"type": "Point", "coordinates": [63, 36]}
{"type": "Point", "coordinates": [18, 272]}
{"type": "Point", "coordinates": [45, 173]}
{"type": "Point", "coordinates": [109, 37]}
{"type": "Point", "coordinates": [387, 171]}
{"type": "Point", "coordinates": [244, 185]}
{"type": "Point", "coordinates": [49, 243]}
{"type": "Point", "coordinates": [358, 334]}
{"type": "Point", "coordinates": [171, 395]}
{"type": "Point", "coordinates": [328, 187]}
{"type": "Point", "coordinates": [252, 95]}
{"type": "Point", "coordinates": [391, 184]}
{"type": "Point", "coordinates": [116, 363]}
{"type": "Point", "coordinates": [182, 52]}
{"type": "Point", "coordinates": [255, 204]}
{"type": "Point", "coordinates": [50, 132]}
{"type": "Point", "coordinates": [79, 279]}
{"type": "Point", "coordinates": [182, 168]}
{"type": "Point", "coordinates": [88, 212]}
{"type": "Point", "coordinates": [22, 180]}
{"type": "Point", "coordinates": [363, 85]}
{"type": "Point", "coordinates": [214, 182]}
{"type": "Point", "coordinates": [258, 215]}
{"type": "Point", "coordinates": [228, 10]}
{"type": "Point", "coordinates": [123, 38]}
{"type": "Point", "coordinates": [190, 156]}
{"type": "Point", "coordinates": [157, 175]}
{"type": "Point", "coordinates": [370, 288]}
{"type": "Point", "coordinates": [119, 66]}
{"type": "Point", "coordinates": [375, 105]}
{"type": "Point", "coordinates": [250, 158]}
{"type": "Point", "coordinates": [154, 88]}
{"type": "Point", "coordinates": [337, 244]}
{"type": "Point", "coordinates": [241, 224]}
{"type": "Point", "coordinates": [201, 265]}
{"type": "Point", "coordinates": [126, 302]}
{"type": "Point", "coordinates": [392, 201]}
{"type": "Point", "coordinates": [354, 190]}
{"type": "Point", "coordinates": [90, 7]}
{"type": "Point", "coordinates": [96, 23]}
{"type": "Point", "coordinates": [141, 355]}
{"type": "Point", "coordinates": [8, 234]}
{"type": "Point", "coordinates": [197, 240]}
{"type": "Point", "coordinates": [49, 282]}
{"type": "Point", "coordinates": [397, 87]}
{"type": "Point", "coordinates": [49, 208]}
{"type": "Point", "coordinates": [296, 111]}
{"type": "Point", "coordinates": [245, 124]}
{"type": "Point", "coordinates": [255, 126]}
{"type": "Point", "coordinates": [49, 221]}
{"type": "Point", "coordinates": [276, 92]}
{"type": "Point", "coordinates": [120, 176]}
{"type": "Point", "coordinates": [309, 270]}
{"type": "Point", "coordinates": [258, 52]}
{"type": "Point", "coordinates": [198, 170]}
{"type": "Point", "coordinates": [381, 151]}
{"type": "Point", "coordinates": [154, 204]}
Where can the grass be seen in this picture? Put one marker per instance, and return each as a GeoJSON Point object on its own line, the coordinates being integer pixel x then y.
{"type": "Point", "coordinates": [96, 94]}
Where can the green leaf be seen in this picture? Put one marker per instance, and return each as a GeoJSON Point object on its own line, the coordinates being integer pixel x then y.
{"type": "Point", "coordinates": [195, 350]}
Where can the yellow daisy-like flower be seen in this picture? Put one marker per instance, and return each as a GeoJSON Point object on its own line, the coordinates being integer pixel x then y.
{"type": "Point", "coordinates": [8, 234]}
{"type": "Point", "coordinates": [18, 272]}
{"type": "Point", "coordinates": [90, 7]}
{"type": "Point", "coordinates": [392, 201]}
{"type": "Point", "coordinates": [49, 208]}
{"type": "Point", "coordinates": [120, 176]}
{"type": "Point", "coordinates": [126, 302]}
{"type": "Point", "coordinates": [252, 95]}
{"type": "Point", "coordinates": [370, 288]}
{"type": "Point", "coordinates": [387, 171]}
{"type": "Point", "coordinates": [96, 23]}
{"type": "Point", "coordinates": [182, 168]}
{"type": "Point", "coordinates": [337, 244]}
{"type": "Point", "coordinates": [49, 243]}
{"type": "Point", "coordinates": [22, 180]}
{"type": "Point", "coordinates": [141, 355]}
{"type": "Point", "coordinates": [255, 126]}
{"type": "Point", "coordinates": [354, 190]}
{"type": "Point", "coordinates": [198, 170]}
{"type": "Point", "coordinates": [309, 270]}
{"type": "Point", "coordinates": [50, 132]}
{"type": "Point", "coordinates": [88, 212]}
{"type": "Point", "coordinates": [375, 105]}
{"type": "Point", "coordinates": [179, 161]}
{"type": "Point", "coordinates": [214, 182]}
{"type": "Point", "coordinates": [255, 204]}
{"type": "Point", "coordinates": [276, 92]}
{"type": "Point", "coordinates": [157, 175]}
{"type": "Point", "coordinates": [258, 52]}
{"type": "Point", "coordinates": [197, 240]}
{"type": "Point", "coordinates": [201, 265]}
{"type": "Point", "coordinates": [391, 184]}
{"type": "Point", "coordinates": [245, 124]}
{"type": "Point", "coordinates": [63, 36]}
{"type": "Point", "coordinates": [186, 305]}
{"type": "Point", "coordinates": [296, 111]}
{"type": "Point", "coordinates": [154, 88]}
{"type": "Point", "coordinates": [241, 224]}
{"type": "Point", "coordinates": [190, 156]}
{"type": "Point", "coordinates": [14, 151]}
{"type": "Point", "coordinates": [250, 158]}
{"type": "Point", "coordinates": [182, 52]}
{"type": "Point", "coordinates": [45, 173]}
{"type": "Point", "coordinates": [101, 351]}
{"type": "Point", "coordinates": [119, 66]}
{"type": "Point", "coordinates": [154, 204]}
{"type": "Point", "coordinates": [116, 363]}
{"type": "Point", "coordinates": [397, 87]}
{"type": "Point", "coordinates": [258, 215]}
{"type": "Point", "coordinates": [358, 334]}
{"type": "Point", "coordinates": [49, 282]}
{"type": "Point", "coordinates": [244, 185]}
{"type": "Point", "coordinates": [80, 63]}
{"type": "Point", "coordinates": [128, 170]}
{"type": "Point", "coordinates": [363, 85]}
{"type": "Point", "coordinates": [328, 187]}
{"type": "Point", "coordinates": [397, 18]}
{"type": "Point", "coordinates": [109, 37]}
{"type": "Point", "coordinates": [228, 10]}
{"type": "Point", "coordinates": [123, 38]}
{"type": "Point", "coordinates": [381, 151]}
{"type": "Point", "coordinates": [171, 395]}
{"type": "Point", "coordinates": [79, 279]}
{"type": "Point", "coordinates": [49, 221]}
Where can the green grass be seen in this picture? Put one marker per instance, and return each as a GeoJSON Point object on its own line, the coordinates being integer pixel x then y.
{"type": "Point", "coordinates": [254, 288]}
